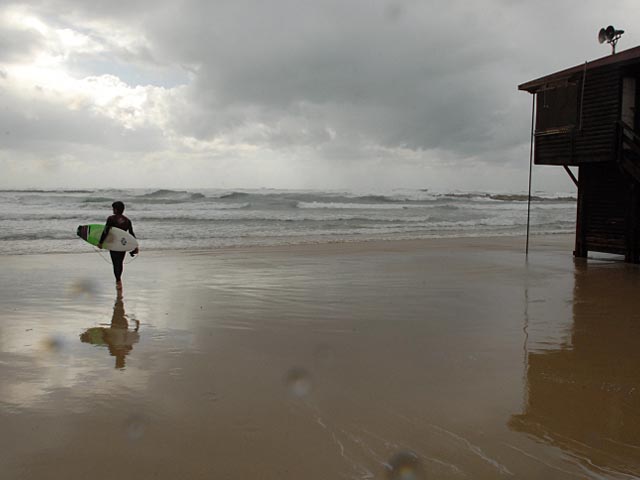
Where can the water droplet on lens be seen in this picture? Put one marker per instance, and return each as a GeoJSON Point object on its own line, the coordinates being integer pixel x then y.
{"type": "Point", "coordinates": [298, 382]}
{"type": "Point", "coordinates": [212, 396]}
{"type": "Point", "coordinates": [83, 287]}
{"type": "Point", "coordinates": [135, 427]}
{"type": "Point", "coordinates": [405, 466]}
{"type": "Point", "coordinates": [53, 344]}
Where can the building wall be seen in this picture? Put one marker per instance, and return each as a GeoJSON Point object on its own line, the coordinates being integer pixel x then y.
{"type": "Point", "coordinates": [593, 137]}
{"type": "Point", "coordinates": [604, 218]}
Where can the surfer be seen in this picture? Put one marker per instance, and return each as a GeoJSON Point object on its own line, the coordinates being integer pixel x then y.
{"type": "Point", "coordinates": [117, 220]}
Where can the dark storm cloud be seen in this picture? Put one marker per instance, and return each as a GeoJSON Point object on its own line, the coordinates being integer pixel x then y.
{"type": "Point", "coordinates": [398, 74]}
{"type": "Point", "coordinates": [407, 74]}
{"type": "Point", "coordinates": [332, 74]}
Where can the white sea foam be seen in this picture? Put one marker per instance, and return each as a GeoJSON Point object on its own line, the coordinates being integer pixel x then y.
{"type": "Point", "coordinates": [359, 206]}
{"type": "Point", "coordinates": [39, 221]}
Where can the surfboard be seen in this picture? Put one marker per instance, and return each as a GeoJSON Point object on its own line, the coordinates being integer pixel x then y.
{"type": "Point", "coordinates": [117, 240]}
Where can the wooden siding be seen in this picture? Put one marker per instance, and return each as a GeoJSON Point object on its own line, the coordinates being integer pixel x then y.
{"type": "Point", "coordinates": [593, 140]}
{"type": "Point", "coordinates": [606, 195]}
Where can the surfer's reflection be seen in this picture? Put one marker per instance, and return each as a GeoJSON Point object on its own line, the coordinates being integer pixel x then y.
{"type": "Point", "coordinates": [583, 395]}
{"type": "Point", "coordinates": [117, 337]}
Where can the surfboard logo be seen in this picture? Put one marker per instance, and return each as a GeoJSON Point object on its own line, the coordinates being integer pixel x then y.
{"type": "Point", "coordinates": [123, 241]}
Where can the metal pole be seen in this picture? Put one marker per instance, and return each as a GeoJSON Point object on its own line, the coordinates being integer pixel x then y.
{"type": "Point", "coordinates": [533, 109]}
{"type": "Point", "coordinates": [584, 81]}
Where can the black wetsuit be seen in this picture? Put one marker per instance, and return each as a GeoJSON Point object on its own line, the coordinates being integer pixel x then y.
{"type": "Point", "coordinates": [117, 258]}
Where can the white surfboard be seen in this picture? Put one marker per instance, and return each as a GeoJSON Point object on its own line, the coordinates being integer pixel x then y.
{"type": "Point", "coordinates": [117, 240]}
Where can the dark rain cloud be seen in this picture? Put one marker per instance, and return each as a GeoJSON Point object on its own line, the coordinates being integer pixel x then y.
{"type": "Point", "coordinates": [420, 75]}
{"type": "Point", "coordinates": [347, 76]}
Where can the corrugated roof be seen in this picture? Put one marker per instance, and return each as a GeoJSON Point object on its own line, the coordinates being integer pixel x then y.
{"type": "Point", "coordinates": [631, 55]}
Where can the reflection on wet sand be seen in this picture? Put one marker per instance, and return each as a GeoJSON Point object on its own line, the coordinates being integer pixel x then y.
{"type": "Point", "coordinates": [584, 395]}
{"type": "Point", "coordinates": [117, 337]}
{"type": "Point", "coordinates": [349, 361]}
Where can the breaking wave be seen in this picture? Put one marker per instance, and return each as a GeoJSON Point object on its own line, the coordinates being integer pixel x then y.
{"type": "Point", "coordinates": [40, 221]}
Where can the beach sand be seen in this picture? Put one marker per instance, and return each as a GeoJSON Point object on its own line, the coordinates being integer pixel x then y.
{"type": "Point", "coordinates": [436, 359]}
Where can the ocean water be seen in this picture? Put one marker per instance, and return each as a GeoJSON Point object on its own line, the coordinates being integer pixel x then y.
{"type": "Point", "coordinates": [45, 221]}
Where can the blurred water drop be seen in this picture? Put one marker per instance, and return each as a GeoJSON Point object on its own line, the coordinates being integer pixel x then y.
{"type": "Point", "coordinates": [135, 427]}
{"type": "Point", "coordinates": [53, 344]}
{"type": "Point", "coordinates": [298, 382]}
{"type": "Point", "coordinates": [393, 12]}
{"type": "Point", "coordinates": [212, 396]}
{"type": "Point", "coordinates": [405, 465]}
{"type": "Point", "coordinates": [84, 287]}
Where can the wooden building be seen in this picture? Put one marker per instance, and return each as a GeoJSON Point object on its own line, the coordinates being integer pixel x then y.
{"type": "Point", "coordinates": [588, 116]}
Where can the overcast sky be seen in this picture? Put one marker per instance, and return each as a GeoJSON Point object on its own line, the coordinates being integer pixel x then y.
{"type": "Point", "coordinates": [358, 94]}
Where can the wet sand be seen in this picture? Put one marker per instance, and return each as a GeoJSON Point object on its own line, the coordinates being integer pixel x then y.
{"type": "Point", "coordinates": [445, 359]}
